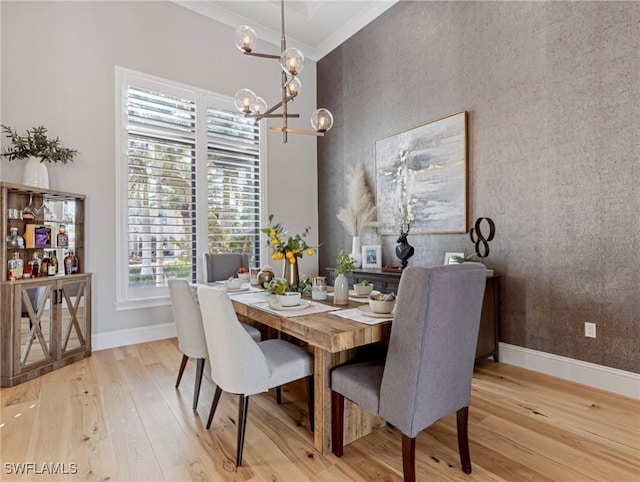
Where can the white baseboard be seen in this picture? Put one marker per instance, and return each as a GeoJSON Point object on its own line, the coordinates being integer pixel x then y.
{"type": "Point", "coordinates": [131, 336]}
{"type": "Point", "coordinates": [597, 376]}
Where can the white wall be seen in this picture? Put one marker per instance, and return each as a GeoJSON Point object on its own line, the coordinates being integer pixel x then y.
{"type": "Point", "coordinates": [57, 70]}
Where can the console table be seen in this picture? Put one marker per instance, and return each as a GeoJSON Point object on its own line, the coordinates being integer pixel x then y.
{"type": "Point", "coordinates": [388, 281]}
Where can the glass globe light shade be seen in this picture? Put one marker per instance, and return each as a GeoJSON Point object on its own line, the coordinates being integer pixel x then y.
{"type": "Point", "coordinates": [321, 120]}
{"type": "Point", "coordinates": [244, 100]}
{"type": "Point", "coordinates": [292, 61]}
{"type": "Point", "coordinates": [259, 106]}
{"type": "Point", "coordinates": [245, 38]}
{"type": "Point", "coordinates": [294, 87]}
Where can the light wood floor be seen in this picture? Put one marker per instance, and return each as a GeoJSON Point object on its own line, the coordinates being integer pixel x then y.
{"type": "Point", "coordinates": [117, 417]}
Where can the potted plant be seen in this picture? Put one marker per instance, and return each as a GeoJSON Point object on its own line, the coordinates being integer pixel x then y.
{"type": "Point", "coordinates": [288, 248]}
{"type": "Point", "coordinates": [39, 148]}
{"type": "Point", "coordinates": [363, 288]}
{"type": "Point", "coordinates": [360, 211]}
{"type": "Point", "coordinates": [465, 258]}
{"type": "Point", "coordinates": [344, 265]}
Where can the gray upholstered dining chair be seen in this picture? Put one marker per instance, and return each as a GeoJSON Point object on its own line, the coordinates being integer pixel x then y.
{"type": "Point", "coordinates": [243, 367]}
{"type": "Point", "coordinates": [191, 340]}
{"type": "Point", "coordinates": [429, 364]}
{"type": "Point", "coordinates": [222, 266]}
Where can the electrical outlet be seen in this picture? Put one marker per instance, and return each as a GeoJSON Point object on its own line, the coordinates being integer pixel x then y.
{"type": "Point", "coordinates": [589, 329]}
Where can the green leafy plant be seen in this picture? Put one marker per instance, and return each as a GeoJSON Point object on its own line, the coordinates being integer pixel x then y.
{"type": "Point", "coordinates": [344, 263]}
{"type": "Point", "coordinates": [364, 282]}
{"type": "Point", "coordinates": [464, 258]}
{"type": "Point", "coordinates": [36, 144]}
{"type": "Point", "coordinates": [383, 297]}
{"type": "Point", "coordinates": [279, 286]}
{"type": "Point", "coordinates": [287, 247]}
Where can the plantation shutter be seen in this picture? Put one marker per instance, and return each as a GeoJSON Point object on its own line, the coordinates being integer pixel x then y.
{"type": "Point", "coordinates": [233, 184]}
{"type": "Point", "coordinates": [161, 139]}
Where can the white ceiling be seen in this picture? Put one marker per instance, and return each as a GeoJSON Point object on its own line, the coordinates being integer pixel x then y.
{"type": "Point", "coordinates": [315, 27]}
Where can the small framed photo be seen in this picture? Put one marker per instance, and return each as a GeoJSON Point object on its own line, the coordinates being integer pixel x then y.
{"type": "Point", "coordinates": [371, 257]}
{"type": "Point", "coordinates": [449, 258]}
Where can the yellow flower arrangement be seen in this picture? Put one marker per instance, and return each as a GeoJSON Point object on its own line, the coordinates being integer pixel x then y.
{"type": "Point", "coordinates": [294, 247]}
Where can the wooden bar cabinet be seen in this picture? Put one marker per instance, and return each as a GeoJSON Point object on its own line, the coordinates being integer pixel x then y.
{"type": "Point", "coordinates": [45, 321]}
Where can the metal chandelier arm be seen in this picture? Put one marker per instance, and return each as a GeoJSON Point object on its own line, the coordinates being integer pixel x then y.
{"type": "Point", "coordinates": [273, 108]}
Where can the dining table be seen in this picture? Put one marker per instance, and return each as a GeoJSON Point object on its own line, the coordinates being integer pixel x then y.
{"type": "Point", "coordinates": [333, 335]}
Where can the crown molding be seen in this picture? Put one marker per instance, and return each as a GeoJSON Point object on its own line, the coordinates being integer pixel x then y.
{"type": "Point", "coordinates": [315, 53]}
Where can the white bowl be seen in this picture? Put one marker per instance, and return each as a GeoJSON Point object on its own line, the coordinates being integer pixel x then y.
{"type": "Point", "coordinates": [233, 283]}
{"type": "Point", "coordinates": [382, 306]}
{"type": "Point", "coordinates": [362, 290]}
{"type": "Point", "coordinates": [289, 299]}
{"type": "Point", "coordinates": [243, 276]}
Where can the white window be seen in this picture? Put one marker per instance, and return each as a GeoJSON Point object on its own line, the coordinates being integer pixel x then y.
{"type": "Point", "coordinates": [189, 180]}
{"type": "Point", "coordinates": [233, 184]}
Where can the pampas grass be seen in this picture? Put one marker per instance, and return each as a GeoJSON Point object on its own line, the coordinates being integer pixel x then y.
{"type": "Point", "coordinates": [360, 211]}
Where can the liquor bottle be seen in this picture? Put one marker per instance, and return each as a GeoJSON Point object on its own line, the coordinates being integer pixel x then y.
{"type": "Point", "coordinates": [16, 267]}
{"type": "Point", "coordinates": [62, 239]}
{"type": "Point", "coordinates": [44, 266]}
{"type": "Point", "coordinates": [13, 240]}
{"type": "Point", "coordinates": [52, 268]}
{"type": "Point", "coordinates": [76, 264]}
{"type": "Point", "coordinates": [70, 263]}
{"type": "Point", "coordinates": [37, 262]}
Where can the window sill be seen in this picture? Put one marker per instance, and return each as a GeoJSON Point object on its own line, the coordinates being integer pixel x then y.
{"type": "Point", "coordinates": [142, 303]}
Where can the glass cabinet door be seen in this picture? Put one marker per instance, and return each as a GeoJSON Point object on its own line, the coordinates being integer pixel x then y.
{"type": "Point", "coordinates": [36, 334]}
{"type": "Point", "coordinates": [72, 306]}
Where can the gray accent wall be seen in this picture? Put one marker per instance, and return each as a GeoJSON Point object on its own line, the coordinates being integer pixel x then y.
{"type": "Point", "coordinates": [553, 95]}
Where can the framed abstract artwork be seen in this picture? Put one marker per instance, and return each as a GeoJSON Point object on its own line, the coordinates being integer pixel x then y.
{"type": "Point", "coordinates": [421, 178]}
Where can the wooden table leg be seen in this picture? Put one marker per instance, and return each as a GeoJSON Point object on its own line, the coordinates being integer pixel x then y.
{"type": "Point", "coordinates": [322, 391]}
{"type": "Point", "coordinates": [323, 363]}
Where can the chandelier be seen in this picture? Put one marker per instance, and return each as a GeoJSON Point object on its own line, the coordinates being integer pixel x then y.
{"type": "Point", "coordinates": [292, 62]}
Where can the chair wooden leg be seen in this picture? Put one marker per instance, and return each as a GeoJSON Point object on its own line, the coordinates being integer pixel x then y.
{"type": "Point", "coordinates": [337, 423]}
{"type": "Point", "coordinates": [311, 403]}
{"type": "Point", "coordinates": [196, 390]}
{"type": "Point", "coordinates": [243, 406]}
{"type": "Point", "coordinates": [183, 364]}
{"type": "Point", "coordinates": [463, 439]}
{"type": "Point", "coordinates": [214, 405]}
{"type": "Point", "coordinates": [409, 458]}
{"type": "Point", "coordinates": [279, 395]}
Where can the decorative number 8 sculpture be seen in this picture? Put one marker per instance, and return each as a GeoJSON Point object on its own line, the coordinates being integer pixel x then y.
{"type": "Point", "coordinates": [481, 239]}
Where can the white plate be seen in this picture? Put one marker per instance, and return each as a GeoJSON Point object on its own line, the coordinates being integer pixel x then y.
{"type": "Point", "coordinates": [274, 305]}
{"type": "Point", "coordinates": [237, 290]}
{"type": "Point", "coordinates": [367, 311]}
{"type": "Point", "coordinates": [353, 294]}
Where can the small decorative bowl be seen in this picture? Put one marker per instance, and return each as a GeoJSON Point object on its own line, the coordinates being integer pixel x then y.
{"type": "Point", "coordinates": [243, 276]}
{"type": "Point", "coordinates": [362, 290]}
{"type": "Point", "coordinates": [382, 306]}
{"type": "Point", "coordinates": [233, 283]}
{"type": "Point", "coordinates": [290, 298]}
